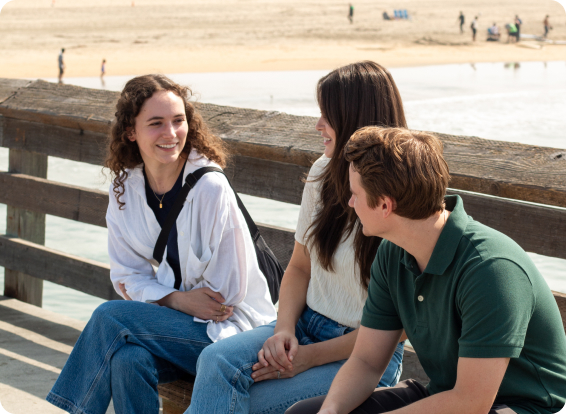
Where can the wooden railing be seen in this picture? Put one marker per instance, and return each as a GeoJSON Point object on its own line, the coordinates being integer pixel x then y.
{"type": "Point", "coordinates": [272, 152]}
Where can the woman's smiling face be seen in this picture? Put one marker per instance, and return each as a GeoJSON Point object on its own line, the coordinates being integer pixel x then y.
{"type": "Point", "coordinates": [161, 129]}
{"type": "Point", "coordinates": [328, 134]}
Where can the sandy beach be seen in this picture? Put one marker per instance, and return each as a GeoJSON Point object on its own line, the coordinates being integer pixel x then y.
{"type": "Point", "coordinates": [181, 36]}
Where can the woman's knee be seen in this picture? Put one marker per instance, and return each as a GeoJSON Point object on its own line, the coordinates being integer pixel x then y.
{"type": "Point", "coordinates": [130, 358]}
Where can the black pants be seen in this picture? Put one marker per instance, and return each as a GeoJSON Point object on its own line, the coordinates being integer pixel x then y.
{"type": "Point", "coordinates": [384, 400]}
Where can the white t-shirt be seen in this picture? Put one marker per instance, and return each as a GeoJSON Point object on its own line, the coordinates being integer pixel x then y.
{"type": "Point", "coordinates": [215, 249]}
{"type": "Point", "coordinates": [337, 295]}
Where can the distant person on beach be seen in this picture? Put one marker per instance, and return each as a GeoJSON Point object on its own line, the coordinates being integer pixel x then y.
{"type": "Point", "coordinates": [493, 33]}
{"type": "Point", "coordinates": [462, 20]}
{"type": "Point", "coordinates": [386, 16]}
{"type": "Point", "coordinates": [61, 62]}
{"type": "Point", "coordinates": [511, 32]}
{"type": "Point", "coordinates": [351, 13]}
{"type": "Point", "coordinates": [324, 287]}
{"type": "Point", "coordinates": [103, 68]}
{"type": "Point", "coordinates": [481, 318]}
{"type": "Point", "coordinates": [547, 26]}
{"type": "Point", "coordinates": [474, 27]}
{"type": "Point", "coordinates": [208, 286]}
{"type": "Point", "coordinates": [518, 23]}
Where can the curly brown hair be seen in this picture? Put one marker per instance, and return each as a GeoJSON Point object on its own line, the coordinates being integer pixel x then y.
{"type": "Point", "coordinates": [123, 154]}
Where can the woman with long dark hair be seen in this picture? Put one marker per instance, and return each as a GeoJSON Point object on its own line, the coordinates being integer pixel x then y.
{"type": "Point", "coordinates": [324, 288]}
{"type": "Point", "coordinates": [207, 287]}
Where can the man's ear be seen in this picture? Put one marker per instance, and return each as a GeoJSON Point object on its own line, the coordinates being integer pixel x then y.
{"type": "Point", "coordinates": [387, 206]}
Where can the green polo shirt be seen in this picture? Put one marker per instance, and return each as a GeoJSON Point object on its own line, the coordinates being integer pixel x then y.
{"type": "Point", "coordinates": [480, 296]}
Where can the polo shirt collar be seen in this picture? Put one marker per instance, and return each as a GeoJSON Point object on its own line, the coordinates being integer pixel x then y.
{"type": "Point", "coordinates": [445, 249]}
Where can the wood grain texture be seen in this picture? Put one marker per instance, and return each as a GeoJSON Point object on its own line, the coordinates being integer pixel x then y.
{"type": "Point", "coordinates": [268, 179]}
{"type": "Point", "coordinates": [177, 394]}
{"type": "Point", "coordinates": [505, 169]}
{"type": "Point", "coordinates": [84, 275]}
{"type": "Point", "coordinates": [57, 199]}
{"type": "Point", "coordinates": [62, 105]}
{"type": "Point", "coordinates": [28, 225]}
{"type": "Point", "coordinates": [538, 229]}
{"type": "Point", "coordinates": [57, 141]}
{"type": "Point", "coordinates": [9, 87]}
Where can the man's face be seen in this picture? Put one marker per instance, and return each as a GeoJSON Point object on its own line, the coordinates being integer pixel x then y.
{"type": "Point", "coordinates": [369, 217]}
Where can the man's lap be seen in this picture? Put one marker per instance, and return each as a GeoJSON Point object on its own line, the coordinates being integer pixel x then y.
{"type": "Point", "coordinates": [384, 400]}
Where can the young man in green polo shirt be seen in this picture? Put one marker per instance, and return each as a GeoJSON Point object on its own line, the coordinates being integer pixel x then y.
{"type": "Point", "coordinates": [482, 320]}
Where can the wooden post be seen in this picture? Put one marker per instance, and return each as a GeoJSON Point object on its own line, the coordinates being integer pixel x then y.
{"type": "Point", "coordinates": [27, 225]}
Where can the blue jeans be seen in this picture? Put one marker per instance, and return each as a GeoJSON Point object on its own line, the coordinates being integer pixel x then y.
{"type": "Point", "coordinates": [224, 384]}
{"type": "Point", "coordinates": [125, 350]}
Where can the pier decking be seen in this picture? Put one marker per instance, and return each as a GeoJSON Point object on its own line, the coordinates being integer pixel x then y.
{"type": "Point", "coordinates": [272, 152]}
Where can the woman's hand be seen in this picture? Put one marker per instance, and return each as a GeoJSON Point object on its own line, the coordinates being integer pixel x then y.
{"type": "Point", "coordinates": [279, 351]}
{"type": "Point", "coordinates": [204, 303]}
{"type": "Point", "coordinates": [124, 293]}
{"type": "Point", "coordinates": [301, 363]}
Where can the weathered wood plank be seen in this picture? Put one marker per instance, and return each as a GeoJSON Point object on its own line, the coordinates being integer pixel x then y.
{"type": "Point", "coordinates": [268, 179]}
{"type": "Point", "coordinates": [8, 87]}
{"type": "Point", "coordinates": [28, 225]}
{"type": "Point", "coordinates": [57, 141]}
{"type": "Point", "coordinates": [511, 170]}
{"type": "Point", "coordinates": [57, 199]}
{"type": "Point", "coordinates": [176, 395]}
{"type": "Point", "coordinates": [62, 105]}
{"type": "Point", "coordinates": [537, 229]}
{"type": "Point", "coordinates": [77, 273]}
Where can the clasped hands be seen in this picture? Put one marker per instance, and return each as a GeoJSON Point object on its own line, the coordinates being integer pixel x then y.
{"type": "Point", "coordinates": [281, 357]}
{"type": "Point", "coordinates": [204, 303]}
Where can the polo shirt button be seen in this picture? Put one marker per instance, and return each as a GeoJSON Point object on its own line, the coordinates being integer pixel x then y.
{"type": "Point", "coordinates": [182, 233]}
{"type": "Point", "coordinates": [420, 298]}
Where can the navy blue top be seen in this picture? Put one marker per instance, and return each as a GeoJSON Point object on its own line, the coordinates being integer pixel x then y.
{"type": "Point", "coordinates": [161, 215]}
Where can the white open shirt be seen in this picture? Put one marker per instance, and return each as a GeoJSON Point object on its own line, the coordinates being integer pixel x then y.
{"type": "Point", "coordinates": [215, 249]}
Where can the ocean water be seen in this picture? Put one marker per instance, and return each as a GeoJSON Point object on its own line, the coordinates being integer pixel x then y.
{"type": "Point", "coordinates": [522, 102]}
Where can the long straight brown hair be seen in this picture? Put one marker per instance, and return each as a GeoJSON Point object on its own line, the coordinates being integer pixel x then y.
{"type": "Point", "coordinates": [351, 97]}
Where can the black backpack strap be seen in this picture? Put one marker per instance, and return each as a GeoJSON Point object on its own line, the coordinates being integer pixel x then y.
{"type": "Point", "coordinates": [190, 182]}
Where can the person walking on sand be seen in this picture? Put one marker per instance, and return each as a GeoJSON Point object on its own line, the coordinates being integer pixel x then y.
{"type": "Point", "coordinates": [474, 27]}
{"type": "Point", "coordinates": [518, 23]}
{"type": "Point", "coordinates": [103, 68]}
{"type": "Point", "coordinates": [547, 26]}
{"type": "Point", "coordinates": [351, 13]}
{"type": "Point", "coordinates": [462, 19]}
{"type": "Point", "coordinates": [61, 65]}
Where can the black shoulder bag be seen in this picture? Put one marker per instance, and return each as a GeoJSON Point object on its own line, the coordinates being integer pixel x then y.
{"type": "Point", "coordinates": [268, 263]}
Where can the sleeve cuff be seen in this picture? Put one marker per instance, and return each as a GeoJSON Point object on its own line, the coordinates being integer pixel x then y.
{"type": "Point", "coordinates": [155, 293]}
{"type": "Point", "coordinates": [489, 351]}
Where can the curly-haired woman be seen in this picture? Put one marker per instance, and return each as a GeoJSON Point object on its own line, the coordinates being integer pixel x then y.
{"type": "Point", "coordinates": [128, 347]}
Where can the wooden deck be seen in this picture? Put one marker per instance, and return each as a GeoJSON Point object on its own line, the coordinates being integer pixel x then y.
{"type": "Point", "coordinates": [34, 346]}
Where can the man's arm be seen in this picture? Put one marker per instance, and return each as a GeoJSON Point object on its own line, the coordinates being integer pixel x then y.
{"type": "Point", "coordinates": [476, 387]}
{"type": "Point", "coordinates": [370, 357]}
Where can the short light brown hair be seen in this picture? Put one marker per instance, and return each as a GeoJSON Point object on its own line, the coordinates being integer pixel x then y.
{"type": "Point", "coordinates": [404, 165]}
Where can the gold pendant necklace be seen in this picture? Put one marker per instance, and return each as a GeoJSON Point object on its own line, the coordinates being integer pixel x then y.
{"type": "Point", "coordinates": [160, 201]}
